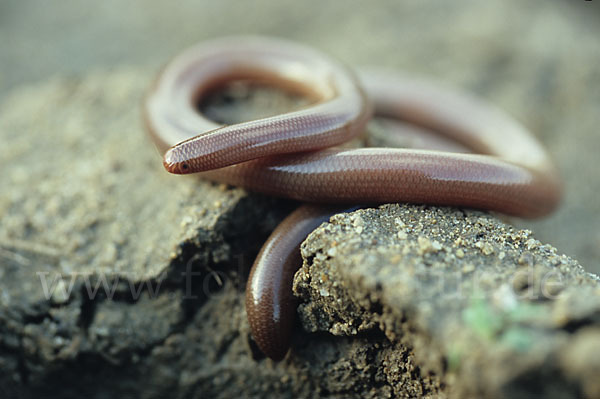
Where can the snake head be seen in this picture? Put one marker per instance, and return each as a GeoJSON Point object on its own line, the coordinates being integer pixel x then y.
{"type": "Point", "coordinates": [176, 162]}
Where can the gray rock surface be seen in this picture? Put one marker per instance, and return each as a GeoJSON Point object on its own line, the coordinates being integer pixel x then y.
{"type": "Point", "coordinates": [118, 279]}
{"type": "Point", "coordinates": [105, 257]}
{"type": "Point", "coordinates": [484, 309]}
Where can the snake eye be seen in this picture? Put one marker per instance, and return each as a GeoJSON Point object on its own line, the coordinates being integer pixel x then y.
{"type": "Point", "coordinates": [184, 166]}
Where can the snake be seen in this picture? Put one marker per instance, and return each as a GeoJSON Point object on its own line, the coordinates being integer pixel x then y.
{"type": "Point", "coordinates": [304, 154]}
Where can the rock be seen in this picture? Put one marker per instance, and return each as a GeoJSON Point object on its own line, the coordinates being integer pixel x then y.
{"type": "Point", "coordinates": [117, 279]}
{"type": "Point", "coordinates": [105, 256]}
{"type": "Point", "coordinates": [485, 310]}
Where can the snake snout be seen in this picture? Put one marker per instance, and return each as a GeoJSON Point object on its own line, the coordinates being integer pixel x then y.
{"type": "Point", "coordinates": [173, 163]}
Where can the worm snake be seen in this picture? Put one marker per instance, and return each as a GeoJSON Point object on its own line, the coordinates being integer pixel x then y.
{"type": "Point", "coordinates": [299, 154]}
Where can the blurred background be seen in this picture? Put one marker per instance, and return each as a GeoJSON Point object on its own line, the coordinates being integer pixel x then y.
{"type": "Point", "coordinates": [539, 60]}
